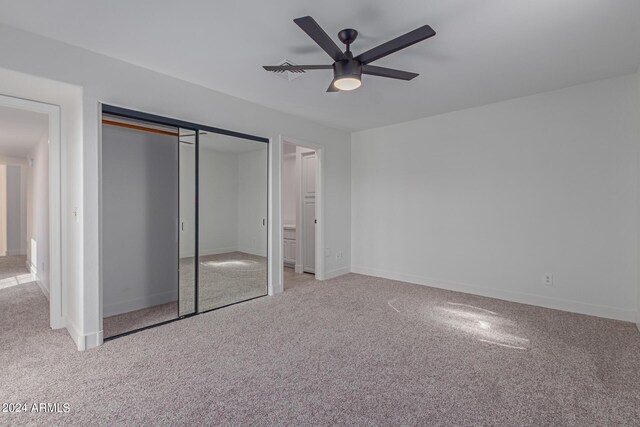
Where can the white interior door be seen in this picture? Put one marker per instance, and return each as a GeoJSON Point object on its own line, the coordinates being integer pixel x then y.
{"type": "Point", "coordinates": [309, 211]}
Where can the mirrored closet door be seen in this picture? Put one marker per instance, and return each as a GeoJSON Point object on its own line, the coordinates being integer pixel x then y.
{"type": "Point", "coordinates": [184, 219]}
{"type": "Point", "coordinates": [139, 205]}
{"type": "Point", "coordinates": [232, 217]}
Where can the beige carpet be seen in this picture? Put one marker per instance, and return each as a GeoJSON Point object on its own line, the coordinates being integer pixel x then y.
{"type": "Point", "coordinates": [355, 350]}
{"type": "Point", "coordinates": [13, 271]}
{"type": "Point", "coordinates": [293, 279]}
{"type": "Point", "coordinates": [126, 322]}
{"type": "Point", "coordinates": [224, 279]}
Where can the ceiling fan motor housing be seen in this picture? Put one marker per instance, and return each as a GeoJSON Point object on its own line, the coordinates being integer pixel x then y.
{"type": "Point", "coordinates": [347, 68]}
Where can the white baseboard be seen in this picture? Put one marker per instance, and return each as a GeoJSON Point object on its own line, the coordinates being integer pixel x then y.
{"type": "Point", "coordinates": [83, 342]}
{"type": "Point", "coordinates": [36, 277]}
{"type": "Point", "coordinates": [14, 252]}
{"type": "Point", "coordinates": [43, 288]}
{"type": "Point", "coordinates": [336, 273]}
{"type": "Point", "coordinates": [212, 251]}
{"type": "Point", "coordinates": [139, 303]}
{"type": "Point", "coordinates": [252, 252]}
{"type": "Point", "coordinates": [523, 298]}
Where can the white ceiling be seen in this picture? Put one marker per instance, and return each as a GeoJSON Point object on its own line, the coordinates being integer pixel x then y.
{"type": "Point", "coordinates": [20, 130]}
{"type": "Point", "coordinates": [484, 50]}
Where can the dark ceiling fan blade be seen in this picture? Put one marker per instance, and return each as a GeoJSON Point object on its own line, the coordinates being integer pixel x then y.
{"type": "Point", "coordinates": [296, 68]}
{"type": "Point", "coordinates": [372, 70]}
{"type": "Point", "coordinates": [332, 88]}
{"type": "Point", "coordinates": [313, 30]}
{"type": "Point", "coordinates": [406, 40]}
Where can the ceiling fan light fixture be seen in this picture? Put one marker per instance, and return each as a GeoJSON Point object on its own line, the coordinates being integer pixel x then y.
{"type": "Point", "coordinates": [347, 83]}
{"type": "Point", "coordinates": [347, 75]}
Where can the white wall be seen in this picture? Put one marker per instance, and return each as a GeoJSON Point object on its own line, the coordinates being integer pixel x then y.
{"type": "Point", "coordinates": [116, 82]}
{"type": "Point", "coordinates": [13, 215]}
{"type": "Point", "coordinates": [187, 200]}
{"type": "Point", "coordinates": [233, 201]}
{"type": "Point", "coordinates": [15, 197]}
{"type": "Point", "coordinates": [3, 210]}
{"type": "Point", "coordinates": [252, 201]}
{"type": "Point", "coordinates": [638, 136]}
{"type": "Point", "coordinates": [24, 178]}
{"type": "Point", "coordinates": [488, 200]}
{"type": "Point", "coordinates": [140, 207]}
{"type": "Point", "coordinates": [38, 210]}
{"type": "Point", "coordinates": [218, 202]}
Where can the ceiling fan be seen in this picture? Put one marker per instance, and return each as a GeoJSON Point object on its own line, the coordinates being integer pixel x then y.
{"type": "Point", "coordinates": [347, 69]}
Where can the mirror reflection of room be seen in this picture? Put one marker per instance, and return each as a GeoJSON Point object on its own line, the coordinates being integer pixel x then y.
{"type": "Point", "coordinates": [232, 218]}
{"type": "Point", "coordinates": [166, 192]}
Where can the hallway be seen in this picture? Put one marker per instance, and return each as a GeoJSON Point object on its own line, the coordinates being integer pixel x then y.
{"type": "Point", "coordinates": [13, 271]}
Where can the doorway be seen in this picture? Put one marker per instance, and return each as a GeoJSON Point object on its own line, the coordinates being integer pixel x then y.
{"type": "Point", "coordinates": [301, 201]}
{"type": "Point", "coordinates": [30, 207]}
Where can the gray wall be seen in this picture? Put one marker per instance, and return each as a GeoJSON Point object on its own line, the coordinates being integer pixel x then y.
{"type": "Point", "coordinates": [139, 216]}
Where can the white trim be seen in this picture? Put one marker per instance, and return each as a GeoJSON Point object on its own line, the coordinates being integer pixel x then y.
{"type": "Point", "coordinates": [336, 273]}
{"type": "Point", "coordinates": [8, 160]}
{"type": "Point", "coordinates": [215, 251]}
{"type": "Point", "coordinates": [44, 290]}
{"type": "Point", "coordinates": [519, 297]}
{"type": "Point", "coordinates": [75, 334]}
{"type": "Point", "coordinates": [252, 251]}
{"type": "Point", "coordinates": [83, 342]}
{"type": "Point", "coordinates": [56, 193]}
{"type": "Point", "coordinates": [274, 279]}
{"type": "Point", "coordinates": [320, 229]}
{"type": "Point", "coordinates": [33, 270]}
{"type": "Point", "coordinates": [15, 252]}
{"type": "Point", "coordinates": [140, 303]}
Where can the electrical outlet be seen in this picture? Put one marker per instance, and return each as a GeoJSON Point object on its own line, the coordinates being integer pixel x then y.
{"type": "Point", "coordinates": [548, 279]}
{"type": "Point", "coordinates": [339, 255]}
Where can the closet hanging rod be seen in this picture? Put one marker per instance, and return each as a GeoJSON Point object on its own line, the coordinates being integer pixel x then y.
{"type": "Point", "coordinates": [137, 127]}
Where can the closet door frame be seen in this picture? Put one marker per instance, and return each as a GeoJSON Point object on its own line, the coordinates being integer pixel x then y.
{"type": "Point", "coordinates": [196, 128]}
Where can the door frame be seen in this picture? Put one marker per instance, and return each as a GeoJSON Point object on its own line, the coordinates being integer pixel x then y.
{"type": "Point", "coordinates": [56, 193]}
{"type": "Point", "coordinates": [301, 240]}
{"type": "Point", "coordinates": [320, 229]}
